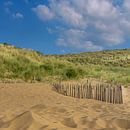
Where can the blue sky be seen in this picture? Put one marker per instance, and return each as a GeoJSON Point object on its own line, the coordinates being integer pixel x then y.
{"type": "Point", "coordinates": [65, 26]}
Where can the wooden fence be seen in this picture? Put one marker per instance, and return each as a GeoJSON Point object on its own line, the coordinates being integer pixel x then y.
{"type": "Point", "coordinates": [99, 91]}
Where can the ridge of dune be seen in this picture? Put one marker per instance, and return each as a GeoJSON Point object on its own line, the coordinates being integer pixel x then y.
{"type": "Point", "coordinates": [38, 107]}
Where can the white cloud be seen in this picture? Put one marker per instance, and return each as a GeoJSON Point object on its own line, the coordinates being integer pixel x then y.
{"type": "Point", "coordinates": [18, 15]}
{"type": "Point", "coordinates": [73, 37]}
{"type": "Point", "coordinates": [7, 6]}
{"type": "Point", "coordinates": [8, 9]}
{"type": "Point", "coordinates": [67, 13]}
{"type": "Point", "coordinates": [110, 34]}
{"type": "Point", "coordinates": [101, 9]}
{"type": "Point", "coordinates": [93, 24]}
{"type": "Point", "coordinates": [8, 3]}
{"type": "Point", "coordinates": [77, 39]}
{"type": "Point", "coordinates": [125, 26]}
{"type": "Point", "coordinates": [43, 12]}
{"type": "Point", "coordinates": [127, 4]}
{"type": "Point", "coordinates": [89, 46]}
{"type": "Point", "coordinates": [112, 39]}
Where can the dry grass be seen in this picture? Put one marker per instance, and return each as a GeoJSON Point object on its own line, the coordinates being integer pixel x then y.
{"type": "Point", "coordinates": [32, 66]}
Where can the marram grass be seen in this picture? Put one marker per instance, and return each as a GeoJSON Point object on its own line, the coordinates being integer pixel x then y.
{"type": "Point", "coordinates": [29, 65]}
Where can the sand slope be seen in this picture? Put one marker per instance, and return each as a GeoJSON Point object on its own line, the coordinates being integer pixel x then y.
{"type": "Point", "coordinates": [38, 107]}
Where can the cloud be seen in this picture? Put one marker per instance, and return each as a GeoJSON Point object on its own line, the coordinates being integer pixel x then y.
{"type": "Point", "coordinates": [8, 3]}
{"type": "Point", "coordinates": [89, 24]}
{"type": "Point", "coordinates": [110, 34]}
{"type": "Point", "coordinates": [101, 9]}
{"type": "Point", "coordinates": [67, 13]}
{"type": "Point", "coordinates": [7, 6]}
{"type": "Point", "coordinates": [77, 39]}
{"type": "Point", "coordinates": [18, 15]}
{"type": "Point", "coordinates": [61, 10]}
{"type": "Point", "coordinates": [8, 9]}
{"type": "Point", "coordinates": [89, 46]}
{"type": "Point", "coordinates": [73, 37]}
{"type": "Point", "coordinates": [43, 12]}
{"type": "Point", "coordinates": [127, 4]}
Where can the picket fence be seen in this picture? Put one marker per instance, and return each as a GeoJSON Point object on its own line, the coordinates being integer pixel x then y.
{"type": "Point", "coordinates": [98, 91]}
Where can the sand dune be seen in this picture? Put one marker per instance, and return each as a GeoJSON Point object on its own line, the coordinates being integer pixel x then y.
{"type": "Point", "coordinates": [38, 107]}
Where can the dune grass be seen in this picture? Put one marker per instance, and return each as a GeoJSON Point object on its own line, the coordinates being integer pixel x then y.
{"type": "Point", "coordinates": [29, 65]}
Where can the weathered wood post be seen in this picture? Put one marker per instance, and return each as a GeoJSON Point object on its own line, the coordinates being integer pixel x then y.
{"type": "Point", "coordinates": [99, 91]}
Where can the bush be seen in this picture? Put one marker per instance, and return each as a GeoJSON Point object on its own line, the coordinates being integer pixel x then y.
{"type": "Point", "coordinates": [28, 75]}
{"type": "Point", "coordinates": [70, 73]}
{"type": "Point", "coordinates": [47, 67]}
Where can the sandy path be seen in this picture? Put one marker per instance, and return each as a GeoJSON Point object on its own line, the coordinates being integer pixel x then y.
{"type": "Point", "coordinates": [37, 107]}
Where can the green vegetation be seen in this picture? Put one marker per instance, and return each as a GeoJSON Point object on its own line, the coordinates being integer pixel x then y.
{"type": "Point", "coordinates": [29, 65]}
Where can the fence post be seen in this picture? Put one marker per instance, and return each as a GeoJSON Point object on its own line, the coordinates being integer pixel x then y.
{"type": "Point", "coordinates": [99, 91]}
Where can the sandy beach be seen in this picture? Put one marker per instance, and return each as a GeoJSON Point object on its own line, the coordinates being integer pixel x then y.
{"type": "Point", "coordinates": [38, 107]}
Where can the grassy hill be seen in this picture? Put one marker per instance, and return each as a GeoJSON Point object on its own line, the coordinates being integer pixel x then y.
{"type": "Point", "coordinates": [29, 65]}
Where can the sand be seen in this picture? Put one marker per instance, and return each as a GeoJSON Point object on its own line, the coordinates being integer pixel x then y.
{"type": "Point", "coordinates": [38, 107]}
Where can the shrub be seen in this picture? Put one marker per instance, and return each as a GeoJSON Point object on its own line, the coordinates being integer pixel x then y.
{"type": "Point", "coordinates": [47, 67]}
{"type": "Point", "coordinates": [70, 73]}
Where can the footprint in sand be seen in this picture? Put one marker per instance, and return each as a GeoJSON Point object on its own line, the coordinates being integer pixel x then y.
{"type": "Point", "coordinates": [102, 123]}
{"type": "Point", "coordinates": [44, 127]}
{"type": "Point", "coordinates": [61, 110]}
{"type": "Point", "coordinates": [122, 123]}
{"type": "Point", "coordinates": [83, 120]}
{"type": "Point", "coordinates": [88, 122]}
{"type": "Point", "coordinates": [94, 124]}
{"type": "Point", "coordinates": [69, 122]}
